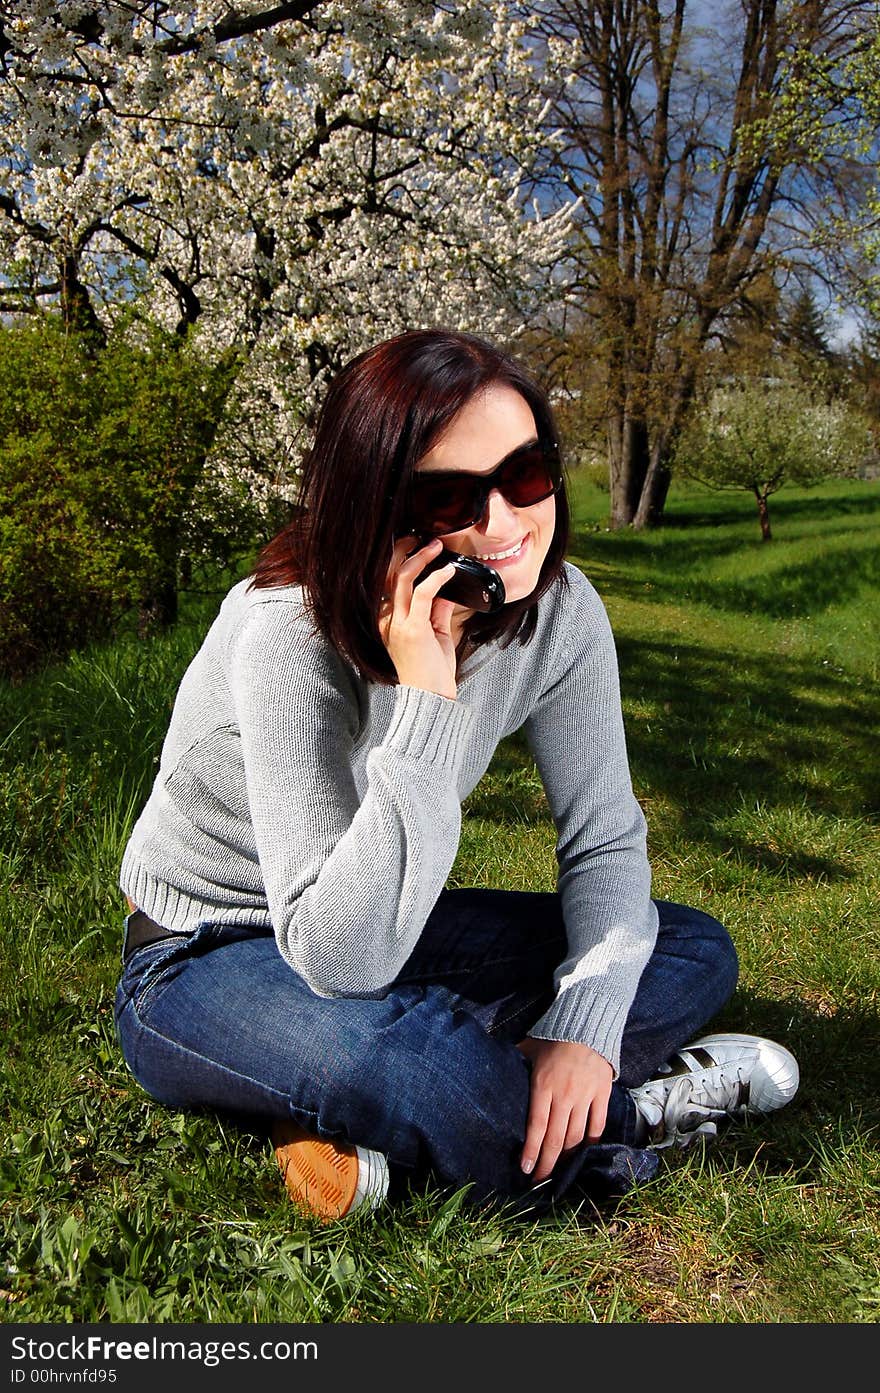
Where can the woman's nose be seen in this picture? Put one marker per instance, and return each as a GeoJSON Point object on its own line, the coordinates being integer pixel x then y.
{"type": "Point", "coordinates": [498, 513]}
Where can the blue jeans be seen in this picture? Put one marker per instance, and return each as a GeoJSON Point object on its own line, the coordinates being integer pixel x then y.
{"type": "Point", "coordinates": [430, 1074]}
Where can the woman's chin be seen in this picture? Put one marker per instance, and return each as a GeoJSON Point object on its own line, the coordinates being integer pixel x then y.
{"type": "Point", "coordinates": [516, 588]}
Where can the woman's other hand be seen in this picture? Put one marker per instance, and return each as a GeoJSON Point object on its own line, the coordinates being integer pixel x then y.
{"type": "Point", "coordinates": [414, 625]}
{"type": "Point", "coordinates": [568, 1100]}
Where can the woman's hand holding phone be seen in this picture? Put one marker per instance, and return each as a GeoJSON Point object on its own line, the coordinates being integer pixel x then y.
{"type": "Point", "coordinates": [414, 625]}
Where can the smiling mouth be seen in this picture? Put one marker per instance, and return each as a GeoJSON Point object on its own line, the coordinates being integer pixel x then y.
{"type": "Point", "coordinates": [502, 555]}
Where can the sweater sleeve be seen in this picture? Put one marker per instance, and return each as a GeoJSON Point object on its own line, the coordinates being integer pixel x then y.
{"type": "Point", "coordinates": [576, 734]}
{"type": "Point", "coordinates": [350, 882]}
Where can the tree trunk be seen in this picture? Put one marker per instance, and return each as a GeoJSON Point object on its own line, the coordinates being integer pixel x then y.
{"type": "Point", "coordinates": [158, 609]}
{"type": "Point", "coordinates": [654, 491]}
{"type": "Point", "coordinates": [76, 305]}
{"type": "Point", "coordinates": [628, 461]}
{"type": "Point", "coordinates": [763, 516]}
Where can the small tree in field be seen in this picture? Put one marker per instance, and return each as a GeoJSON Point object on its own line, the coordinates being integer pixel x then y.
{"type": "Point", "coordinates": [759, 435]}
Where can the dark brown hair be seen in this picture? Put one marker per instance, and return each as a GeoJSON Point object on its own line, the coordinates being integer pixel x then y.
{"type": "Point", "coordinates": [381, 415]}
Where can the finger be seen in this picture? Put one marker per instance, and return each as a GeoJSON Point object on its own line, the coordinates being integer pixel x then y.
{"type": "Point", "coordinates": [418, 603]}
{"type": "Point", "coordinates": [577, 1126]}
{"type": "Point", "coordinates": [414, 562]}
{"type": "Point", "coordinates": [400, 552]}
{"type": "Point", "coordinates": [554, 1139]}
{"type": "Point", "coordinates": [412, 548]}
{"type": "Point", "coordinates": [405, 571]}
{"type": "Point", "coordinates": [441, 617]}
{"type": "Point", "coordinates": [539, 1112]}
{"type": "Point", "coordinates": [425, 593]}
{"type": "Point", "coordinates": [598, 1118]}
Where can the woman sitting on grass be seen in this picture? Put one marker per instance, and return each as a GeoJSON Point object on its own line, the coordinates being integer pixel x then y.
{"type": "Point", "coordinates": [293, 955]}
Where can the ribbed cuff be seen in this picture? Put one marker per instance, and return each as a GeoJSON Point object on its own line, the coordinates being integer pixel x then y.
{"type": "Point", "coordinates": [599, 1024]}
{"type": "Point", "coordinates": [428, 727]}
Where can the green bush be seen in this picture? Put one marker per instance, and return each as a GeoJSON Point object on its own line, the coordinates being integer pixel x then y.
{"type": "Point", "coordinates": [101, 449]}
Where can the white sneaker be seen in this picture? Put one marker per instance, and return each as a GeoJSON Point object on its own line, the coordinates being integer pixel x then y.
{"type": "Point", "coordinates": [716, 1078]}
{"type": "Point", "coordinates": [326, 1178]}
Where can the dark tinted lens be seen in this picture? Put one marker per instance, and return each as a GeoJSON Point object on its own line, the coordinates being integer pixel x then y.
{"type": "Point", "coordinates": [528, 476]}
{"type": "Point", "coordinates": [443, 504]}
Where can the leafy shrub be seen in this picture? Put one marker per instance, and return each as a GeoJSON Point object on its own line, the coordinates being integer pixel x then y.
{"type": "Point", "coordinates": [101, 449]}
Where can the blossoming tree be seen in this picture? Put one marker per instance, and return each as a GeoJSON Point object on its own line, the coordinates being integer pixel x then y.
{"type": "Point", "coordinates": [298, 178]}
{"type": "Point", "coordinates": [276, 184]}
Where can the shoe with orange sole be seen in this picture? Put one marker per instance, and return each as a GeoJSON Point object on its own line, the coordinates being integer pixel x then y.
{"type": "Point", "coordinates": [327, 1178]}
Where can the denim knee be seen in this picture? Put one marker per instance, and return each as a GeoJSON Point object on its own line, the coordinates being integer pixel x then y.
{"type": "Point", "coordinates": [709, 938]}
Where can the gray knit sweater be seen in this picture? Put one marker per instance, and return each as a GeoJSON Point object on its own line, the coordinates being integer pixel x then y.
{"type": "Point", "coordinates": [293, 794]}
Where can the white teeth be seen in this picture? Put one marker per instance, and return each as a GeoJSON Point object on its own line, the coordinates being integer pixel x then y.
{"type": "Point", "coordinates": [500, 555]}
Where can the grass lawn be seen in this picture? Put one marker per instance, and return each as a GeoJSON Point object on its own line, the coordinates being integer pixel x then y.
{"type": "Point", "coordinates": [749, 675]}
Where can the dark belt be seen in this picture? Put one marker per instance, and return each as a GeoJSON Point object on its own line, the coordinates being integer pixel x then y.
{"type": "Point", "coordinates": [141, 930]}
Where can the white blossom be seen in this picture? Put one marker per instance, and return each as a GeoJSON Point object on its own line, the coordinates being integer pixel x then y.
{"type": "Point", "coordinates": [299, 192]}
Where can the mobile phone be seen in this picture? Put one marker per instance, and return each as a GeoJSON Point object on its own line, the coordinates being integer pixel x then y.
{"type": "Point", "coordinates": [474, 584]}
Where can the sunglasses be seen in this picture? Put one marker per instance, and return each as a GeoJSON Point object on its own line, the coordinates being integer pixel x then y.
{"type": "Point", "coordinates": [450, 501]}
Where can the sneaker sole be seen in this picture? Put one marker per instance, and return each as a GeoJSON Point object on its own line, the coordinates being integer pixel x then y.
{"type": "Point", "coordinates": [320, 1176]}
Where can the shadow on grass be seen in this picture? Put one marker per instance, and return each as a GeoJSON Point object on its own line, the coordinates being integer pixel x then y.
{"type": "Point", "coordinates": [838, 1099]}
{"type": "Point", "coordinates": [796, 591]}
{"type": "Point", "coordinates": [779, 734]}
{"type": "Point", "coordinates": [834, 575]}
{"type": "Point", "coordinates": [725, 508]}
{"type": "Point", "coordinates": [816, 507]}
{"type": "Point", "coordinates": [795, 865]}
{"type": "Point", "coordinates": [772, 730]}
